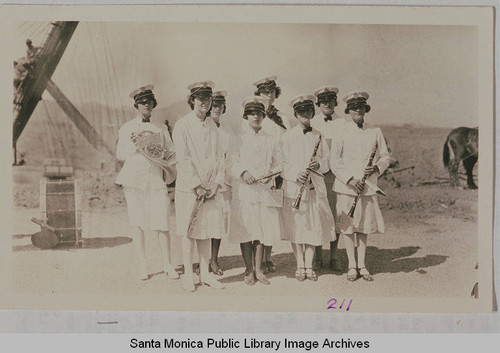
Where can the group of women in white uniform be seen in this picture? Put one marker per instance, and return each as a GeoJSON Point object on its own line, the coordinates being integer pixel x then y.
{"type": "Point", "coordinates": [267, 183]}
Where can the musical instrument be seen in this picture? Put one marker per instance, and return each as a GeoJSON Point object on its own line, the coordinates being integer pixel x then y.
{"type": "Point", "coordinates": [152, 146]}
{"type": "Point", "coordinates": [47, 237]}
{"type": "Point", "coordinates": [296, 203]}
{"type": "Point", "coordinates": [267, 176]}
{"type": "Point", "coordinates": [61, 216]}
{"type": "Point", "coordinates": [200, 201]}
{"type": "Point", "coordinates": [363, 181]}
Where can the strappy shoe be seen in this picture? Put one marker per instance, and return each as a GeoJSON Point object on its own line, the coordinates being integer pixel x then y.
{"type": "Point", "coordinates": [172, 273]}
{"type": "Point", "coordinates": [142, 273]}
{"type": "Point", "coordinates": [213, 283]}
{"type": "Point", "coordinates": [262, 278]}
{"type": "Point", "coordinates": [352, 274]}
{"type": "Point", "coordinates": [249, 278]}
{"type": "Point", "coordinates": [300, 274]}
{"type": "Point", "coordinates": [365, 274]}
{"type": "Point", "coordinates": [311, 274]}
{"type": "Point", "coordinates": [187, 283]}
{"type": "Point", "coordinates": [216, 270]}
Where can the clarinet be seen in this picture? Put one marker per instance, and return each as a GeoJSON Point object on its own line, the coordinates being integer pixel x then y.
{"type": "Point", "coordinates": [296, 203]}
{"type": "Point", "coordinates": [363, 180]}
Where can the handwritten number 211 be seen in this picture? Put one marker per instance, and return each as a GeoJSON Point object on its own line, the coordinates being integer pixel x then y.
{"type": "Point", "coordinates": [333, 302]}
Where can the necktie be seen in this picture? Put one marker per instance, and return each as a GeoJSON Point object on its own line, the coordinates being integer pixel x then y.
{"type": "Point", "coordinates": [307, 129]}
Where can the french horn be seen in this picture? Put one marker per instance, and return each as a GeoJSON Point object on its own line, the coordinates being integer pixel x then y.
{"type": "Point", "coordinates": [151, 145]}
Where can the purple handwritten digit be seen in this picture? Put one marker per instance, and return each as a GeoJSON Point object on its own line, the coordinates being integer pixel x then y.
{"type": "Point", "coordinates": [349, 306]}
{"type": "Point", "coordinates": [332, 305]}
{"type": "Point", "coordinates": [340, 307]}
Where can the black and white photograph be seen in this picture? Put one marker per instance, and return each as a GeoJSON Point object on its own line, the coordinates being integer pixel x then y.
{"type": "Point", "coordinates": [248, 158]}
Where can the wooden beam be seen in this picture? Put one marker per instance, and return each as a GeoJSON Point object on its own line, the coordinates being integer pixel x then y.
{"type": "Point", "coordinates": [77, 118]}
{"type": "Point", "coordinates": [46, 63]}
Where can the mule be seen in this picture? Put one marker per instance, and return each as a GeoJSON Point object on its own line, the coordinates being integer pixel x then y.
{"type": "Point", "coordinates": [463, 141]}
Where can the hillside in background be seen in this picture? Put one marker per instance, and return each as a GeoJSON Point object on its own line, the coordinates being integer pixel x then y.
{"type": "Point", "coordinates": [50, 134]}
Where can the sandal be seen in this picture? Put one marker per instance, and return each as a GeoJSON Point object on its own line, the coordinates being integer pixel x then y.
{"type": "Point", "coordinates": [365, 274]}
{"type": "Point", "coordinates": [212, 282]}
{"type": "Point", "coordinates": [262, 278]}
{"type": "Point", "coordinates": [249, 278]}
{"type": "Point", "coordinates": [188, 284]}
{"type": "Point", "coordinates": [142, 273]}
{"type": "Point", "coordinates": [216, 270]}
{"type": "Point", "coordinates": [300, 274]}
{"type": "Point", "coordinates": [172, 273]}
{"type": "Point", "coordinates": [352, 275]}
{"type": "Point", "coordinates": [310, 274]}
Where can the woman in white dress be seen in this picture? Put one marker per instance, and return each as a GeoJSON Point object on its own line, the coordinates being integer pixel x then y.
{"type": "Point", "coordinates": [275, 124]}
{"type": "Point", "coordinates": [308, 218]}
{"type": "Point", "coordinates": [254, 210]}
{"type": "Point", "coordinates": [224, 195]}
{"type": "Point", "coordinates": [200, 176]}
{"type": "Point", "coordinates": [330, 125]}
{"type": "Point", "coordinates": [350, 157]}
{"type": "Point", "coordinates": [143, 184]}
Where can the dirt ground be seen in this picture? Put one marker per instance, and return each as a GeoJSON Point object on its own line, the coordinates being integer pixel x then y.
{"type": "Point", "coordinates": [429, 249]}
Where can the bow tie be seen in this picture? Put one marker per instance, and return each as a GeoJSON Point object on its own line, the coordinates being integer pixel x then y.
{"type": "Point", "coordinates": [307, 129]}
{"type": "Point", "coordinates": [216, 123]}
{"type": "Point", "coordinates": [145, 120]}
{"type": "Point", "coordinates": [328, 118]}
{"type": "Point", "coordinates": [360, 125]}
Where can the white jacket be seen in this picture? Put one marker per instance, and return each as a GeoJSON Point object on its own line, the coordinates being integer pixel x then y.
{"type": "Point", "coordinates": [350, 154]}
{"type": "Point", "coordinates": [137, 171]}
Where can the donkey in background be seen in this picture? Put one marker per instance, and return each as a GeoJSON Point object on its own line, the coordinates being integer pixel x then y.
{"type": "Point", "coordinates": [463, 141]}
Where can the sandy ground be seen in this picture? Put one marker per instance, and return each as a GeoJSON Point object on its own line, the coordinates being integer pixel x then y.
{"type": "Point", "coordinates": [429, 250]}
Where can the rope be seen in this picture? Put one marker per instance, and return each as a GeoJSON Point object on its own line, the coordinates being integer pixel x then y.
{"type": "Point", "coordinates": [106, 37]}
{"type": "Point", "coordinates": [56, 131]}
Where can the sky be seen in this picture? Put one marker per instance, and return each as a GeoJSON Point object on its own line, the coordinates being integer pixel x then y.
{"type": "Point", "coordinates": [415, 74]}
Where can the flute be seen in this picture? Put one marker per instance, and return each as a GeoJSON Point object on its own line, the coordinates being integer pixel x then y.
{"type": "Point", "coordinates": [296, 203]}
{"type": "Point", "coordinates": [363, 181]}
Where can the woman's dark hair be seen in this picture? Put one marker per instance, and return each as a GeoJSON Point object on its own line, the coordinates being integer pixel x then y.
{"type": "Point", "coordinates": [191, 105]}
{"type": "Point", "coordinates": [335, 98]}
{"type": "Point", "coordinates": [367, 109]}
{"type": "Point", "coordinates": [311, 107]}
{"type": "Point", "coordinates": [224, 110]}
{"type": "Point", "coordinates": [251, 111]}
{"type": "Point", "coordinates": [155, 103]}
{"type": "Point", "coordinates": [276, 89]}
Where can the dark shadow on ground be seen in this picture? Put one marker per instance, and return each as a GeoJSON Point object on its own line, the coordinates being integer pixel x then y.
{"type": "Point", "coordinates": [377, 261]}
{"type": "Point", "coordinates": [88, 243]}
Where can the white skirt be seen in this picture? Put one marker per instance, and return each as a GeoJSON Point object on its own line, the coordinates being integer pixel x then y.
{"type": "Point", "coordinates": [332, 201]}
{"type": "Point", "coordinates": [148, 209]}
{"type": "Point", "coordinates": [367, 216]}
{"type": "Point", "coordinates": [251, 221]}
{"type": "Point", "coordinates": [312, 224]}
{"type": "Point", "coordinates": [209, 221]}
